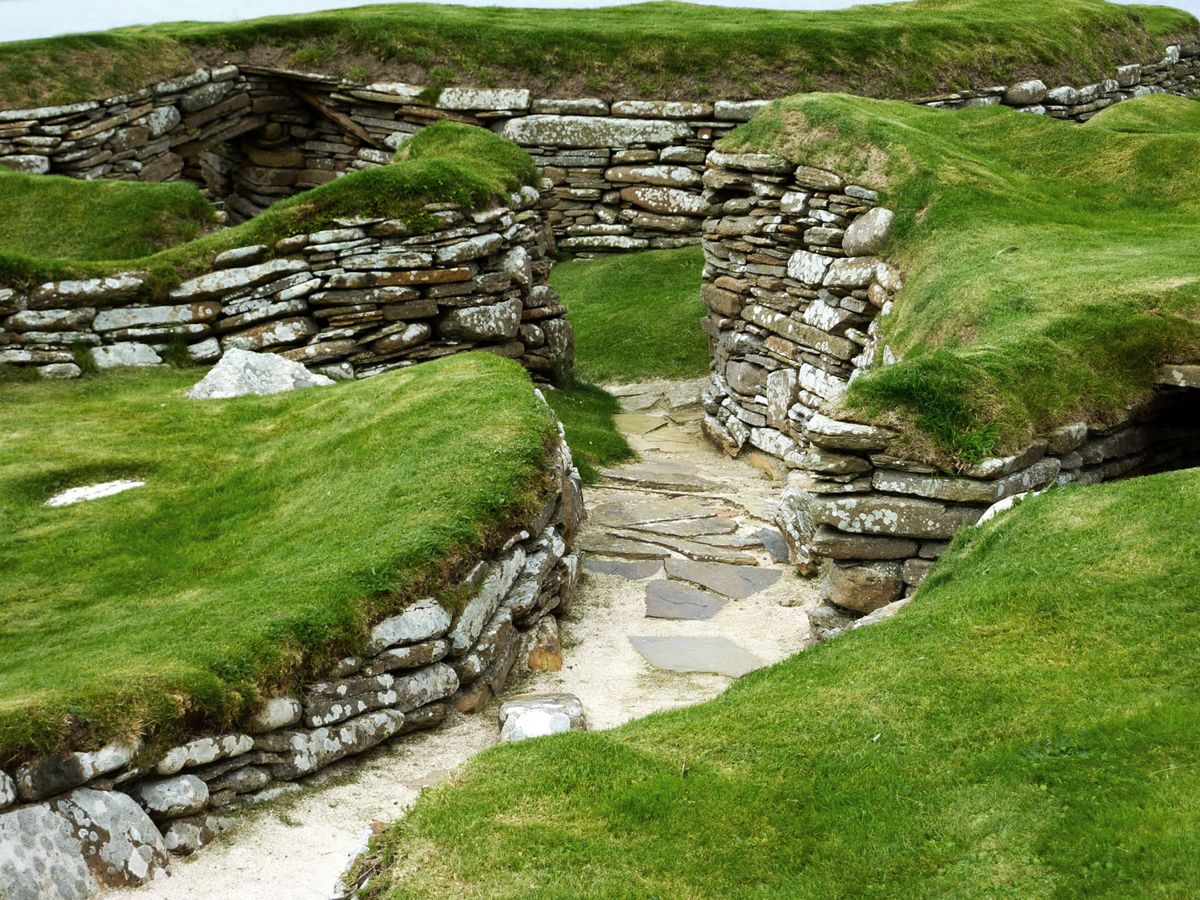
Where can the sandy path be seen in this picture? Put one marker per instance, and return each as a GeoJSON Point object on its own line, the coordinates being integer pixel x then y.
{"type": "Point", "coordinates": [295, 848]}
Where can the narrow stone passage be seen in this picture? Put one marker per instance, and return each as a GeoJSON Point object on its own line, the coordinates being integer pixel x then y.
{"type": "Point", "coordinates": [686, 589]}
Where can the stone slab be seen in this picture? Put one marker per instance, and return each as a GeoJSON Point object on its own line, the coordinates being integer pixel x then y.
{"type": "Point", "coordinates": [607, 545]}
{"type": "Point", "coordinates": [689, 527]}
{"type": "Point", "coordinates": [773, 541]}
{"type": "Point", "coordinates": [663, 475]}
{"type": "Point", "coordinates": [638, 423]}
{"type": "Point", "coordinates": [634, 570]}
{"type": "Point", "coordinates": [717, 655]}
{"type": "Point", "coordinates": [693, 550]}
{"type": "Point", "coordinates": [671, 600]}
{"type": "Point", "coordinates": [735, 582]}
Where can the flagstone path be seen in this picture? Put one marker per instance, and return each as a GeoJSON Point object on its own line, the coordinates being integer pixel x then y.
{"type": "Point", "coordinates": [686, 588]}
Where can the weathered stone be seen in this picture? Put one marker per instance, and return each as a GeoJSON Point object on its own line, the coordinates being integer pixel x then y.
{"type": "Point", "coordinates": [717, 655]}
{"type": "Point", "coordinates": [583, 106]}
{"type": "Point", "coordinates": [538, 715]}
{"type": "Point", "coordinates": [125, 354]}
{"type": "Point", "coordinates": [41, 858]}
{"type": "Point", "coordinates": [765, 163]}
{"type": "Point", "coordinates": [915, 570]}
{"type": "Point", "coordinates": [796, 331]}
{"type": "Point", "coordinates": [739, 111]}
{"type": "Point", "coordinates": [89, 292]}
{"type": "Point", "coordinates": [661, 109]}
{"type": "Point", "coordinates": [833, 434]}
{"type": "Point", "coordinates": [735, 582]}
{"type": "Point", "coordinates": [587, 131]}
{"type": "Point", "coordinates": [670, 600]}
{"type": "Point", "coordinates": [184, 837]}
{"type": "Point", "coordinates": [818, 179]}
{"type": "Point", "coordinates": [998, 467]}
{"type": "Point", "coordinates": [817, 459]}
{"type": "Point", "coordinates": [853, 272]}
{"type": "Point", "coordinates": [203, 751]}
{"type": "Point", "coordinates": [808, 268]}
{"type": "Point", "coordinates": [479, 693]}
{"type": "Point", "coordinates": [242, 372]}
{"type": "Point", "coordinates": [836, 544]}
{"type": "Point", "coordinates": [120, 845]}
{"type": "Point", "coordinates": [492, 641]}
{"type": "Point", "coordinates": [499, 321]}
{"type": "Point", "coordinates": [49, 775]}
{"type": "Point", "coordinates": [636, 570]}
{"type": "Point", "coordinates": [864, 588]}
{"type": "Point", "coordinates": [172, 797]}
{"type": "Point", "coordinates": [869, 233]}
{"type": "Point", "coordinates": [424, 686]}
{"type": "Point", "coordinates": [1025, 93]}
{"type": "Point", "coordinates": [664, 176]}
{"type": "Point", "coordinates": [278, 712]}
{"type": "Point", "coordinates": [308, 751]}
{"type": "Point", "coordinates": [112, 319]}
{"type": "Point", "coordinates": [483, 98]}
{"type": "Point", "coordinates": [422, 621]}
{"type": "Point", "coordinates": [1063, 440]}
{"type": "Point", "coordinates": [1123, 443]}
{"type": "Point", "coordinates": [29, 163]}
{"type": "Point", "coordinates": [1178, 376]}
{"type": "Point", "coordinates": [667, 201]}
{"type": "Point", "coordinates": [896, 516]}
{"type": "Point", "coordinates": [967, 490]}
{"type": "Point", "coordinates": [50, 319]}
{"type": "Point", "coordinates": [471, 248]}
{"type": "Point", "coordinates": [546, 654]}
{"type": "Point", "coordinates": [480, 609]}
{"type": "Point", "coordinates": [226, 281]}
{"type": "Point", "coordinates": [271, 334]}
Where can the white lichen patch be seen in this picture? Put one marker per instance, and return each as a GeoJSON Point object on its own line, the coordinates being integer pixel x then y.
{"type": "Point", "coordinates": [92, 492]}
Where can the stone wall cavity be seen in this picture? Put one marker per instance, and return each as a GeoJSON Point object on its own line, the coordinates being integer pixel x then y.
{"type": "Point", "coordinates": [351, 301]}
{"type": "Point", "coordinates": [794, 292]}
{"type": "Point", "coordinates": [623, 175]}
{"type": "Point", "coordinates": [113, 817]}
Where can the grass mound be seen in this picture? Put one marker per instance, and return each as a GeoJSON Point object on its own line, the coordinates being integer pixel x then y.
{"type": "Point", "coordinates": [670, 49]}
{"type": "Point", "coordinates": [445, 163]}
{"type": "Point", "coordinates": [272, 531]}
{"type": "Point", "coordinates": [636, 316]}
{"type": "Point", "coordinates": [1051, 268]}
{"type": "Point", "coordinates": [1025, 729]}
{"type": "Point", "coordinates": [64, 218]}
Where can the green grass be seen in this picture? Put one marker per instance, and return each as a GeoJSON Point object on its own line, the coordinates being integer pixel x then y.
{"type": "Point", "coordinates": [1050, 268]}
{"type": "Point", "coordinates": [445, 163]}
{"type": "Point", "coordinates": [65, 218]}
{"type": "Point", "coordinates": [675, 50]}
{"type": "Point", "coordinates": [586, 412]}
{"type": "Point", "coordinates": [272, 531]}
{"type": "Point", "coordinates": [636, 316]}
{"type": "Point", "coordinates": [1025, 729]}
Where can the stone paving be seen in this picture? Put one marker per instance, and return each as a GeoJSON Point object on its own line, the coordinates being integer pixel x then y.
{"type": "Point", "coordinates": [691, 524]}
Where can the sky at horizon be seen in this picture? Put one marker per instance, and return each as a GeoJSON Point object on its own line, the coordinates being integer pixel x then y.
{"type": "Point", "coordinates": [25, 19]}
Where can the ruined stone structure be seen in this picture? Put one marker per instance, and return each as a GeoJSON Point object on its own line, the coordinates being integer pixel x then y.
{"type": "Point", "coordinates": [112, 817]}
{"type": "Point", "coordinates": [353, 301]}
{"type": "Point", "coordinates": [794, 292]}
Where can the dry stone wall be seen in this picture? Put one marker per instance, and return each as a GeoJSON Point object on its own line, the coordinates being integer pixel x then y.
{"type": "Point", "coordinates": [73, 823]}
{"type": "Point", "coordinates": [794, 292]}
{"type": "Point", "coordinates": [624, 175]}
{"type": "Point", "coordinates": [351, 301]}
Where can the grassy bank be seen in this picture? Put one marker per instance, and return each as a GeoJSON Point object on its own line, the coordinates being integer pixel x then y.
{"type": "Point", "coordinates": [1051, 268]}
{"type": "Point", "coordinates": [673, 50]}
{"type": "Point", "coordinates": [445, 163]}
{"type": "Point", "coordinates": [270, 533]}
{"type": "Point", "coordinates": [636, 316]}
{"type": "Point", "coordinates": [1025, 729]}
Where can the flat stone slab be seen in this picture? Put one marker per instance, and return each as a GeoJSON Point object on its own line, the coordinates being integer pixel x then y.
{"type": "Point", "coordinates": [664, 475]}
{"type": "Point", "coordinates": [685, 416]}
{"type": "Point", "coordinates": [731, 541]}
{"type": "Point", "coordinates": [640, 512]}
{"type": "Point", "coordinates": [775, 544]}
{"type": "Point", "coordinates": [607, 545]}
{"type": "Point", "coordinates": [689, 527]}
{"type": "Point", "coordinates": [718, 655]}
{"type": "Point", "coordinates": [665, 442]}
{"type": "Point", "coordinates": [691, 549]}
{"type": "Point", "coordinates": [735, 582]}
{"type": "Point", "coordinates": [634, 570]}
{"type": "Point", "coordinates": [637, 423]}
{"type": "Point", "coordinates": [671, 600]}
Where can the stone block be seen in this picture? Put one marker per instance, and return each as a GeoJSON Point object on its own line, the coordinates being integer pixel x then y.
{"type": "Point", "coordinates": [833, 434]}
{"type": "Point", "coordinates": [480, 608]}
{"type": "Point", "coordinates": [422, 621]}
{"type": "Point", "coordinates": [203, 751]}
{"type": "Point", "coordinates": [869, 233]}
{"type": "Point", "coordinates": [863, 588]}
{"type": "Point", "coordinates": [967, 490]}
{"type": "Point", "coordinates": [896, 516]}
{"type": "Point", "coordinates": [1025, 93]}
{"type": "Point", "coordinates": [308, 751]}
{"type": "Point", "coordinates": [276, 713]}
{"type": "Point", "coordinates": [664, 176]}
{"type": "Point", "coordinates": [169, 798]}
{"type": "Point", "coordinates": [538, 715]}
{"type": "Point", "coordinates": [49, 775]}
{"type": "Point", "coordinates": [593, 131]}
{"type": "Point", "coordinates": [119, 843]}
{"type": "Point", "coordinates": [667, 201]}
{"type": "Point", "coordinates": [498, 321]}
{"type": "Point", "coordinates": [836, 544]}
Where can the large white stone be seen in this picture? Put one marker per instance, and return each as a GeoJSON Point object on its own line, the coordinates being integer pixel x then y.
{"type": "Point", "coordinates": [130, 354]}
{"type": "Point", "coordinates": [808, 268]}
{"type": "Point", "coordinates": [869, 233]}
{"type": "Point", "coordinates": [593, 131]}
{"type": "Point", "coordinates": [242, 372]}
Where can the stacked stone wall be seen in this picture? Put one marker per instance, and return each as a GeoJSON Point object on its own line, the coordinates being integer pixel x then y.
{"type": "Point", "coordinates": [350, 301]}
{"type": "Point", "coordinates": [623, 175]}
{"type": "Point", "coordinates": [112, 817]}
{"type": "Point", "coordinates": [794, 292]}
